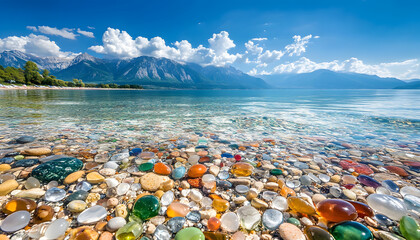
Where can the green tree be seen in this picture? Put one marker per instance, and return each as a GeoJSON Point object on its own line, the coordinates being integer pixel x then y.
{"type": "Point", "coordinates": [31, 73]}
{"type": "Point", "coordinates": [45, 73]}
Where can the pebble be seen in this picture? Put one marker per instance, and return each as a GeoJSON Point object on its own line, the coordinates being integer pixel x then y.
{"type": "Point", "coordinates": [290, 232]}
{"type": "Point", "coordinates": [115, 223]}
{"type": "Point", "coordinates": [92, 215]}
{"type": "Point", "coordinates": [57, 229]}
{"type": "Point", "coordinates": [15, 221]}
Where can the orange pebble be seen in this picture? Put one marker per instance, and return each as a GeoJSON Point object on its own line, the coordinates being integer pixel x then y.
{"type": "Point", "coordinates": [197, 170]}
{"type": "Point", "coordinates": [161, 168]}
{"type": "Point", "coordinates": [285, 192]}
{"type": "Point", "coordinates": [194, 182]}
{"type": "Point", "coordinates": [213, 224]}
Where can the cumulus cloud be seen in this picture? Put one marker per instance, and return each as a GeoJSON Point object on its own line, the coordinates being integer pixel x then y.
{"type": "Point", "coordinates": [408, 69]}
{"type": "Point", "coordinates": [64, 32]}
{"type": "Point", "coordinates": [38, 45]}
{"type": "Point", "coordinates": [299, 45]}
{"type": "Point", "coordinates": [85, 33]}
{"type": "Point", "coordinates": [119, 44]}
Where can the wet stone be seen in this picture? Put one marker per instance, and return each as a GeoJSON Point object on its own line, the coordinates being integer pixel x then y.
{"type": "Point", "coordinates": [146, 207]}
{"type": "Point", "coordinates": [272, 218]}
{"type": "Point", "coordinates": [317, 233]}
{"type": "Point", "coordinates": [55, 194]}
{"type": "Point", "coordinates": [336, 210]}
{"type": "Point", "coordinates": [351, 230]}
{"type": "Point", "coordinates": [390, 206]}
{"type": "Point", "coordinates": [25, 163]}
{"type": "Point", "coordinates": [190, 233]}
{"type": "Point", "coordinates": [176, 224]}
{"type": "Point", "coordinates": [56, 170]}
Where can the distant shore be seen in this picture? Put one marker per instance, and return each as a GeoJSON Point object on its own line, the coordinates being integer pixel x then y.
{"type": "Point", "coordinates": [23, 87]}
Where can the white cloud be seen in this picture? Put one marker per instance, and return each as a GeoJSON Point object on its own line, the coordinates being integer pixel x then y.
{"type": "Point", "coordinates": [119, 44]}
{"type": "Point", "coordinates": [32, 28]}
{"type": "Point", "coordinates": [408, 69]}
{"type": "Point", "coordinates": [299, 45]}
{"type": "Point", "coordinates": [85, 33]}
{"type": "Point", "coordinates": [38, 45]}
{"type": "Point", "coordinates": [90, 27]}
{"type": "Point", "coordinates": [258, 39]}
{"type": "Point", "coordinates": [64, 32]}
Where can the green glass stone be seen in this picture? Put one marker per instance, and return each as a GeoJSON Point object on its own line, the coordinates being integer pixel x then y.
{"type": "Point", "coordinates": [276, 171]}
{"type": "Point", "coordinates": [145, 167]}
{"type": "Point", "coordinates": [317, 233]}
{"type": "Point", "coordinates": [293, 221]}
{"type": "Point", "coordinates": [351, 230]}
{"type": "Point", "coordinates": [146, 207]}
{"type": "Point", "coordinates": [409, 228]}
{"type": "Point", "coordinates": [78, 195]}
{"type": "Point", "coordinates": [56, 170]}
{"type": "Point", "coordinates": [19, 157]}
{"type": "Point", "coordinates": [130, 231]}
{"type": "Point", "coordinates": [190, 233]}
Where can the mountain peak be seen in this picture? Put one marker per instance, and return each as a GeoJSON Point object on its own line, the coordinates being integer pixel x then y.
{"type": "Point", "coordinates": [83, 57]}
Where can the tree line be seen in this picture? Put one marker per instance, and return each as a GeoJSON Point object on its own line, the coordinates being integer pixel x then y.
{"type": "Point", "coordinates": [31, 75]}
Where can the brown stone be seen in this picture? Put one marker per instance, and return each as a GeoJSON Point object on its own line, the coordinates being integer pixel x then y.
{"type": "Point", "coordinates": [83, 233]}
{"type": "Point", "coordinates": [73, 177]}
{"type": "Point", "coordinates": [37, 151]}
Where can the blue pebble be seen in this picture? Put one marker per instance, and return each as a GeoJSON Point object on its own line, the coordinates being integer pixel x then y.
{"type": "Point", "coordinates": [179, 172]}
{"type": "Point", "coordinates": [135, 151]}
{"type": "Point", "coordinates": [194, 216]}
{"type": "Point", "coordinates": [391, 186]}
{"type": "Point", "coordinates": [227, 155]}
{"type": "Point", "coordinates": [7, 160]}
{"type": "Point", "coordinates": [175, 224]}
{"type": "Point", "coordinates": [83, 185]}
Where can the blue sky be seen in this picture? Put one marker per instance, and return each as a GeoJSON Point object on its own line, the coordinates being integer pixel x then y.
{"type": "Point", "coordinates": [373, 37]}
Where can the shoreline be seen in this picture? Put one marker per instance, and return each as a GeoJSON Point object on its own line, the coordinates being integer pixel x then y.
{"type": "Point", "coordinates": [61, 88]}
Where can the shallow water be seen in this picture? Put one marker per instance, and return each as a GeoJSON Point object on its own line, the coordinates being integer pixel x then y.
{"type": "Point", "coordinates": [366, 117]}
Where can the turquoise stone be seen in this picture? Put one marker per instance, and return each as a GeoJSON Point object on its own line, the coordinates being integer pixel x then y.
{"type": "Point", "coordinates": [25, 163]}
{"type": "Point", "coordinates": [276, 171]}
{"type": "Point", "coordinates": [145, 167]}
{"type": "Point", "coordinates": [178, 172]}
{"type": "Point", "coordinates": [293, 221]}
{"type": "Point", "coordinates": [409, 228]}
{"type": "Point", "coordinates": [56, 170]}
{"type": "Point", "coordinates": [146, 207]}
{"type": "Point", "coordinates": [190, 233]}
{"type": "Point", "coordinates": [351, 230]}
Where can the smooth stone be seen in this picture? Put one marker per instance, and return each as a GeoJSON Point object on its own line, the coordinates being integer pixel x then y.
{"type": "Point", "coordinates": [390, 206]}
{"type": "Point", "coordinates": [351, 230]}
{"type": "Point", "coordinates": [193, 216]}
{"type": "Point", "coordinates": [410, 190]}
{"type": "Point", "coordinates": [230, 222]}
{"type": "Point", "coordinates": [119, 157]}
{"type": "Point", "coordinates": [336, 210]}
{"type": "Point", "coordinates": [32, 182]}
{"type": "Point", "coordinates": [412, 202]}
{"type": "Point", "coordinates": [177, 209]}
{"type": "Point", "coordinates": [289, 231]}
{"type": "Point", "coordinates": [94, 178]}
{"type": "Point", "coordinates": [299, 205]}
{"type": "Point", "coordinates": [280, 203]}
{"type": "Point", "coordinates": [176, 224]}
{"type": "Point", "coordinates": [83, 185]}
{"type": "Point", "coordinates": [8, 186]}
{"type": "Point", "coordinates": [276, 172]}
{"type": "Point", "coordinates": [25, 139]}
{"type": "Point", "coordinates": [384, 220]}
{"type": "Point", "coordinates": [77, 206]}
{"type": "Point", "coordinates": [130, 231]}
{"type": "Point", "coordinates": [179, 172]}
{"type": "Point", "coordinates": [92, 215]}
{"type": "Point", "coordinates": [272, 219]}
{"type": "Point", "coordinates": [135, 151]}
{"type": "Point", "coordinates": [167, 198]}
{"type": "Point", "coordinates": [57, 229]}
{"type": "Point", "coordinates": [115, 223]}
{"type": "Point", "coordinates": [16, 221]}
{"type": "Point", "coordinates": [83, 232]}
{"type": "Point", "coordinates": [190, 233]}
{"type": "Point", "coordinates": [196, 171]}
{"type": "Point", "coordinates": [363, 210]}
{"type": "Point", "coordinates": [73, 177]}
{"type": "Point", "coordinates": [241, 169]}
{"type": "Point", "coordinates": [216, 236]}
{"type": "Point", "coordinates": [390, 185]}
{"type": "Point", "coordinates": [249, 217]}
{"type": "Point", "coordinates": [54, 194]}
{"type": "Point", "coordinates": [317, 233]}
{"type": "Point", "coordinates": [56, 170]}
{"type": "Point", "coordinates": [293, 221]}
{"type": "Point", "coordinates": [33, 193]}
{"type": "Point", "coordinates": [111, 182]}
{"type": "Point", "coordinates": [18, 204]}
{"type": "Point", "coordinates": [111, 165]}
{"type": "Point", "coordinates": [25, 163]}
{"type": "Point", "coordinates": [152, 181]}
{"type": "Point", "coordinates": [123, 188]}
{"type": "Point", "coordinates": [37, 151]}
{"type": "Point", "coordinates": [146, 207]}
{"type": "Point", "coordinates": [409, 228]}
{"type": "Point", "coordinates": [4, 167]}
{"type": "Point", "coordinates": [368, 181]}
{"type": "Point", "coordinates": [78, 195]}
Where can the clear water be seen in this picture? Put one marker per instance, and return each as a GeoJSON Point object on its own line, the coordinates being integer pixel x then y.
{"type": "Point", "coordinates": [367, 117]}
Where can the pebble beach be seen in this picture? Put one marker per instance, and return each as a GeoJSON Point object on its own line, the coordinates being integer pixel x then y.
{"type": "Point", "coordinates": [252, 177]}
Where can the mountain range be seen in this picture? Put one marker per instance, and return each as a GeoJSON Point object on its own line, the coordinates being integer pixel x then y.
{"type": "Point", "coordinates": [153, 72]}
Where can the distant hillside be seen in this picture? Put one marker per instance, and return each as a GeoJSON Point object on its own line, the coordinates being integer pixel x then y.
{"type": "Point", "coordinates": [149, 72]}
{"type": "Point", "coordinates": [325, 79]}
{"type": "Point", "coordinates": [410, 85]}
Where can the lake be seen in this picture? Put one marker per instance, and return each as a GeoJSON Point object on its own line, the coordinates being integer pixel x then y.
{"type": "Point", "coordinates": [367, 117]}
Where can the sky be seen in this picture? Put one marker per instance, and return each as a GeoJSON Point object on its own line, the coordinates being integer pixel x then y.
{"type": "Point", "coordinates": [257, 37]}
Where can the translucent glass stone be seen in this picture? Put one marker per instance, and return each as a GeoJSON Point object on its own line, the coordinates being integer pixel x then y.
{"type": "Point", "coordinates": [241, 189]}
{"type": "Point", "coordinates": [83, 185]}
{"type": "Point", "coordinates": [324, 178]}
{"type": "Point", "coordinates": [272, 219]}
{"type": "Point", "coordinates": [390, 206]}
{"type": "Point", "coordinates": [123, 188]}
{"type": "Point", "coordinates": [249, 217]}
{"type": "Point", "coordinates": [176, 224]}
{"type": "Point", "coordinates": [412, 202]}
{"type": "Point", "coordinates": [314, 178]}
{"type": "Point", "coordinates": [410, 190]}
{"type": "Point", "coordinates": [223, 175]}
{"type": "Point", "coordinates": [57, 229]}
{"type": "Point", "coordinates": [167, 198]}
{"type": "Point", "coordinates": [301, 165]}
{"type": "Point", "coordinates": [55, 194]}
{"type": "Point", "coordinates": [52, 184]}
{"type": "Point", "coordinates": [230, 222]}
{"type": "Point", "coordinates": [130, 231]}
{"type": "Point", "coordinates": [280, 203]}
{"type": "Point", "coordinates": [193, 216]}
{"type": "Point", "coordinates": [206, 202]}
{"type": "Point", "coordinates": [306, 180]}
{"type": "Point", "coordinates": [293, 183]}
{"type": "Point", "coordinates": [351, 230]}
{"type": "Point", "coordinates": [335, 191]}
{"type": "Point", "coordinates": [16, 221]}
{"type": "Point", "coordinates": [162, 233]}
{"type": "Point", "coordinates": [32, 182]}
{"type": "Point", "coordinates": [269, 195]}
{"type": "Point", "coordinates": [92, 215]}
{"type": "Point", "coordinates": [382, 190]}
{"type": "Point", "coordinates": [336, 210]}
{"type": "Point", "coordinates": [390, 185]}
{"type": "Point", "coordinates": [207, 178]}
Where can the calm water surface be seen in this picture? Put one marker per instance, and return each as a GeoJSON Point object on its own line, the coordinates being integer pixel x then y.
{"type": "Point", "coordinates": [371, 117]}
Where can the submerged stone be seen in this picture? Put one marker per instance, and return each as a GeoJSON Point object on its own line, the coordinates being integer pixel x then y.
{"type": "Point", "coordinates": [146, 207]}
{"type": "Point", "coordinates": [56, 170]}
{"type": "Point", "coordinates": [351, 230]}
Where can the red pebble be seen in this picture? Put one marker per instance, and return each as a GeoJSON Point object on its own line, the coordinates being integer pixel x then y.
{"type": "Point", "coordinates": [397, 170]}
{"type": "Point", "coordinates": [238, 157]}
